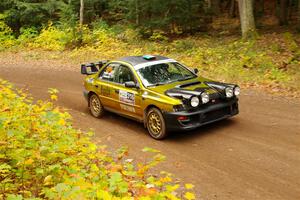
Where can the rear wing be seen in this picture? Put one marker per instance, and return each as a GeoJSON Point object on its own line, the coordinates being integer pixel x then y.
{"type": "Point", "coordinates": [92, 68]}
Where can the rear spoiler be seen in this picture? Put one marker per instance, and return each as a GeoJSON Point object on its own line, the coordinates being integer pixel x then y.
{"type": "Point", "coordinates": [92, 68]}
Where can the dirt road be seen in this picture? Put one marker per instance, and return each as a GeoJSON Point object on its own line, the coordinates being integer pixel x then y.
{"type": "Point", "coordinates": [255, 155]}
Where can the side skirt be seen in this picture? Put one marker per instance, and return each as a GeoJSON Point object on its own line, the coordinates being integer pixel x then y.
{"type": "Point", "coordinates": [140, 120]}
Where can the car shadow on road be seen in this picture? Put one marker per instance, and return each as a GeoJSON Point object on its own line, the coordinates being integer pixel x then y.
{"type": "Point", "coordinates": [213, 128]}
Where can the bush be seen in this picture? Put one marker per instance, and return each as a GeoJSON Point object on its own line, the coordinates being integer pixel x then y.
{"type": "Point", "coordinates": [7, 39]}
{"type": "Point", "coordinates": [43, 157]}
{"type": "Point", "coordinates": [158, 36]}
{"type": "Point", "coordinates": [183, 44]}
{"type": "Point", "coordinates": [27, 35]}
{"type": "Point", "coordinates": [52, 38]}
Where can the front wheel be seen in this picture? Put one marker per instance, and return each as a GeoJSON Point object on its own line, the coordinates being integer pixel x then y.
{"type": "Point", "coordinates": [156, 124]}
{"type": "Point", "coordinates": [96, 107]}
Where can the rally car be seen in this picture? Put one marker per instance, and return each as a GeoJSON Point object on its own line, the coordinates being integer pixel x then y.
{"type": "Point", "coordinates": [158, 91]}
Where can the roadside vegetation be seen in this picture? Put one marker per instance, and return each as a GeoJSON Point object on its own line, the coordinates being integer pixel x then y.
{"type": "Point", "coordinates": [43, 157]}
{"type": "Point", "coordinates": [253, 44]}
{"type": "Point", "coordinates": [271, 61]}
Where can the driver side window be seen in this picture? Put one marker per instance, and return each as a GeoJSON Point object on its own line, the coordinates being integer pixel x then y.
{"type": "Point", "coordinates": [109, 72]}
{"type": "Point", "coordinates": [124, 75]}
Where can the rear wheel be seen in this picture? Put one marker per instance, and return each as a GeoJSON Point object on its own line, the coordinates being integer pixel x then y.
{"type": "Point", "coordinates": [156, 124]}
{"type": "Point", "coordinates": [96, 107]}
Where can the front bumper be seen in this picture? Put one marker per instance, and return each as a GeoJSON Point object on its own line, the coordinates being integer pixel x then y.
{"type": "Point", "coordinates": [205, 115]}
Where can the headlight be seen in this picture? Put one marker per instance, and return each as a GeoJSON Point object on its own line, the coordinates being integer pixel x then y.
{"type": "Point", "coordinates": [237, 91]}
{"type": "Point", "coordinates": [229, 92]}
{"type": "Point", "coordinates": [195, 101]}
{"type": "Point", "coordinates": [204, 97]}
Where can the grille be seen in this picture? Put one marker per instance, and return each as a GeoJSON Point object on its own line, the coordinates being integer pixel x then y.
{"type": "Point", "coordinates": [216, 114]}
{"type": "Point", "coordinates": [214, 98]}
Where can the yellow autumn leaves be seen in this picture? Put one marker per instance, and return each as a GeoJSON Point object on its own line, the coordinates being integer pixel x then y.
{"type": "Point", "coordinates": [43, 156]}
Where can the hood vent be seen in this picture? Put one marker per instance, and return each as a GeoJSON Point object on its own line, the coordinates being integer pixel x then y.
{"type": "Point", "coordinates": [188, 84]}
{"type": "Point", "coordinates": [181, 93]}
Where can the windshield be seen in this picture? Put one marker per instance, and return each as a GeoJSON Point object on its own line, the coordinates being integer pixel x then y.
{"type": "Point", "coordinates": [163, 73]}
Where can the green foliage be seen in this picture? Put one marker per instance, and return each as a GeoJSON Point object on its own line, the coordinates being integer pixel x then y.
{"type": "Point", "coordinates": [68, 17]}
{"type": "Point", "coordinates": [37, 13]}
{"type": "Point", "coordinates": [170, 16]}
{"type": "Point", "coordinates": [27, 35]}
{"type": "Point", "coordinates": [6, 34]}
{"type": "Point", "coordinates": [261, 61]}
{"type": "Point", "coordinates": [291, 43]}
{"type": "Point", "coordinates": [183, 44]}
{"type": "Point", "coordinates": [21, 13]}
{"type": "Point", "coordinates": [167, 15]}
{"type": "Point", "coordinates": [52, 38]}
{"type": "Point", "coordinates": [43, 157]}
{"type": "Point", "coordinates": [158, 36]}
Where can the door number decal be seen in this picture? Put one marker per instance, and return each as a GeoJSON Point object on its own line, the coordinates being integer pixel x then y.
{"type": "Point", "coordinates": [126, 97]}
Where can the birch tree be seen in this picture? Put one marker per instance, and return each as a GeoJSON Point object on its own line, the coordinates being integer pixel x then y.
{"type": "Point", "coordinates": [81, 12]}
{"type": "Point", "coordinates": [247, 18]}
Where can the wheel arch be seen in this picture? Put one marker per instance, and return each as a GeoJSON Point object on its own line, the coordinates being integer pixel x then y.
{"type": "Point", "coordinates": [90, 93]}
{"type": "Point", "coordinates": [146, 111]}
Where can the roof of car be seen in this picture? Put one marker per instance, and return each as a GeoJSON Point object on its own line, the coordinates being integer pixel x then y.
{"type": "Point", "coordinates": [135, 60]}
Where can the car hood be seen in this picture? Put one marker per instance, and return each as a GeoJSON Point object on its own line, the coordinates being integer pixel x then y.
{"type": "Point", "coordinates": [186, 89]}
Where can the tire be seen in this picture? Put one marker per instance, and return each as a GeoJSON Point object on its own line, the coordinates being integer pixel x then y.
{"type": "Point", "coordinates": [156, 124]}
{"type": "Point", "coordinates": [95, 106]}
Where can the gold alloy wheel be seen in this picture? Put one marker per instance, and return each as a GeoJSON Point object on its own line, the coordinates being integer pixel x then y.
{"type": "Point", "coordinates": [155, 123]}
{"type": "Point", "coordinates": [95, 104]}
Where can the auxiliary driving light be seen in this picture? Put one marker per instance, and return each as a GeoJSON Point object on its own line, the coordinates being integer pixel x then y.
{"type": "Point", "coordinates": [237, 91]}
{"type": "Point", "coordinates": [229, 92]}
{"type": "Point", "coordinates": [195, 101]}
{"type": "Point", "coordinates": [204, 97]}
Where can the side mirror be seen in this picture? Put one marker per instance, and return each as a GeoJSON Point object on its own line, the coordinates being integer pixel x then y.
{"type": "Point", "coordinates": [89, 69]}
{"type": "Point", "coordinates": [196, 70]}
{"type": "Point", "coordinates": [130, 84]}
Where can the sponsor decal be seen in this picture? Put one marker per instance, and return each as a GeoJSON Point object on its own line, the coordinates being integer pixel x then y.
{"type": "Point", "coordinates": [127, 108]}
{"type": "Point", "coordinates": [126, 97]}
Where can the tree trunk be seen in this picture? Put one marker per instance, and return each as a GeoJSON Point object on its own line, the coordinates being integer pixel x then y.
{"type": "Point", "coordinates": [137, 14]}
{"type": "Point", "coordinates": [260, 8]}
{"type": "Point", "coordinates": [81, 12]}
{"type": "Point", "coordinates": [283, 13]}
{"type": "Point", "coordinates": [81, 20]}
{"type": "Point", "coordinates": [209, 4]}
{"type": "Point", "coordinates": [298, 15]}
{"type": "Point", "coordinates": [247, 18]}
{"type": "Point", "coordinates": [207, 17]}
{"type": "Point", "coordinates": [215, 6]}
{"type": "Point", "coordinates": [232, 9]}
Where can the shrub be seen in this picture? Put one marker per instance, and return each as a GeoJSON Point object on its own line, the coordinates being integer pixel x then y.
{"type": "Point", "coordinates": [158, 35]}
{"type": "Point", "coordinates": [43, 157]}
{"type": "Point", "coordinates": [27, 35]}
{"type": "Point", "coordinates": [7, 39]}
{"type": "Point", "coordinates": [52, 38]}
{"type": "Point", "coordinates": [183, 44]}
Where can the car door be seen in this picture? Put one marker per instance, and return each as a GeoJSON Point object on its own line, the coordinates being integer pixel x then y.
{"type": "Point", "coordinates": [106, 84]}
{"type": "Point", "coordinates": [129, 99]}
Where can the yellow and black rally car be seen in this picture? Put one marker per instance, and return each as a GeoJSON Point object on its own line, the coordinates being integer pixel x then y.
{"type": "Point", "coordinates": [158, 91]}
